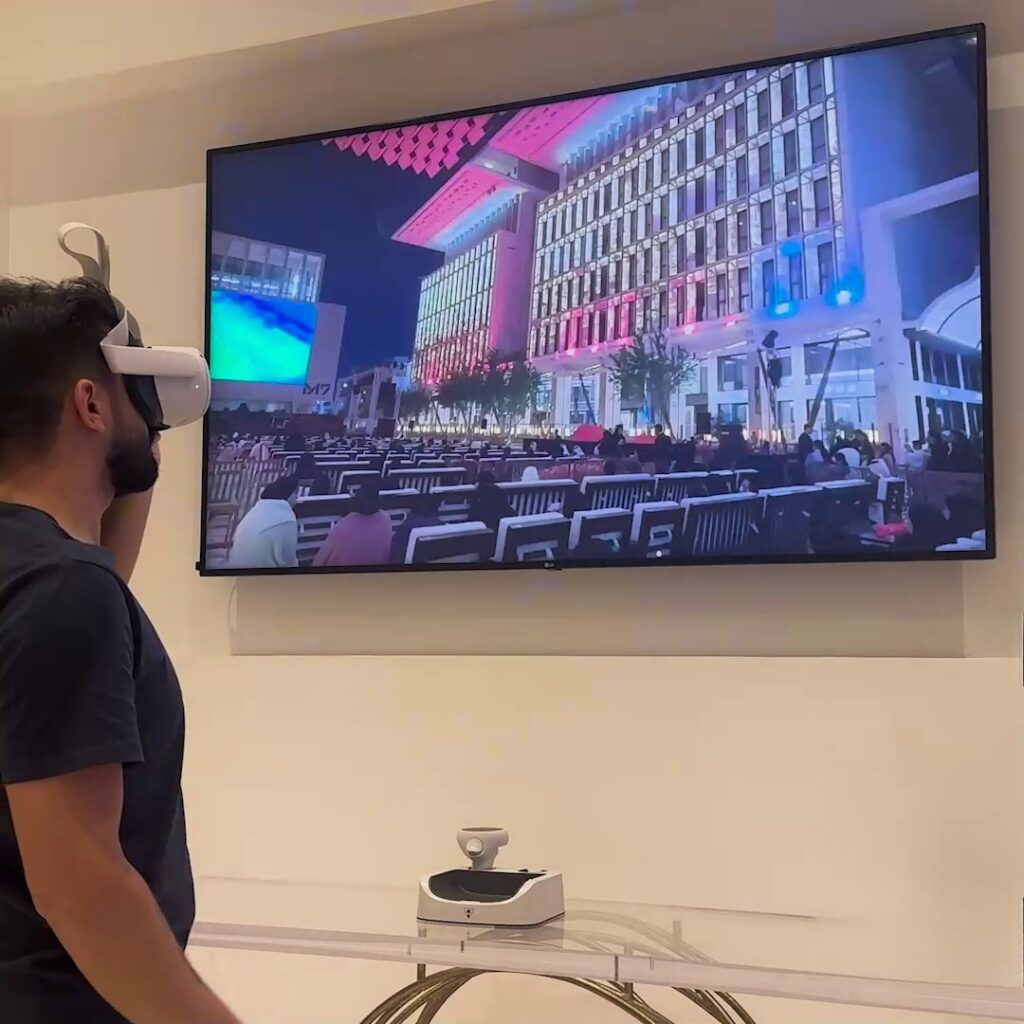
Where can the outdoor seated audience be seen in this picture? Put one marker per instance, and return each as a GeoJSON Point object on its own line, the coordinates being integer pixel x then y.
{"type": "Point", "coordinates": [267, 536]}
{"type": "Point", "coordinates": [489, 504]}
{"type": "Point", "coordinates": [363, 537]}
{"type": "Point", "coordinates": [425, 513]}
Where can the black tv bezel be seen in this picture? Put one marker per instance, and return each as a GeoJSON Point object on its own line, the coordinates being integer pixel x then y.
{"type": "Point", "coordinates": [978, 29]}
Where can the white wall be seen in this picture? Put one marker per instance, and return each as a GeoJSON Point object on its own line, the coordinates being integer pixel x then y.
{"type": "Point", "coordinates": [880, 795]}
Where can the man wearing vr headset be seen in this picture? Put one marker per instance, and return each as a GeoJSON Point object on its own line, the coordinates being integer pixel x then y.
{"type": "Point", "coordinates": [96, 898]}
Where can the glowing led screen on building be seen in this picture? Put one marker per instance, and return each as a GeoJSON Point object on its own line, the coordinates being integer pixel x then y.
{"type": "Point", "coordinates": [740, 315]}
{"type": "Point", "coordinates": [261, 340]}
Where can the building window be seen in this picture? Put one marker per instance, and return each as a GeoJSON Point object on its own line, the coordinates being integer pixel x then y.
{"type": "Point", "coordinates": [764, 111]}
{"type": "Point", "coordinates": [663, 259]}
{"type": "Point", "coordinates": [720, 227]}
{"type": "Point", "coordinates": [742, 176]}
{"type": "Point", "coordinates": [648, 219]}
{"type": "Point", "coordinates": [822, 202]}
{"type": "Point", "coordinates": [733, 415]}
{"type": "Point", "coordinates": [680, 155]}
{"type": "Point", "coordinates": [826, 268]}
{"type": "Point", "coordinates": [796, 276]}
{"type": "Point", "coordinates": [700, 301]}
{"type": "Point", "coordinates": [649, 174]}
{"type": "Point", "coordinates": [788, 84]}
{"type": "Point", "coordinates": [793, 224]}
{"type": "Point", "coordinates": [680, 253]}
{"type": "Point", "coordinates": [719, 186]}
{"type": "Point", "coordinates": [700, 194]}
{"type": "Point", "coordinates": [719, 134]}
{"type": "Point", "coordinates": [606, 197]}
{"type": "Point", "coordinates": [634, 225]}
{"type": "Point", "coordinates": [662, 309]}
{"type": "Point", "coordinates": [732, 373]}
{"type": "Point", "coordinates": [700, 246]}
{"type": "Point", "coordinates": [663, 212]}
{"type": "Point", "coordinates": [767, 222]}
{"type": "Point", "coordinates": [739, 121]}
{"type": "Point", "coordinates": [681, 203]}
{"type": "Point", "coordinates": [628, 319]}
{"type": "Point", "coordinates": [789, 161]}
{"type": "Point", "coordinates": [699, 145]}
{"type": "Point", "coordinates": [816, 80]}
{"type": "Point", "coordinates": [764, 164]}
{"type": "Point", "coordinates": [768, 282]}
{"type": "Point", "coordinates": [819, 142]}
{"type": "Point", "coordinates": [721, 295]}
{"type": "Point", "coordinates": [680, 306]}
{"type": "Point", "coordinates": [744, 288]}
{"type": "Point", "coordinates": [743, 230]}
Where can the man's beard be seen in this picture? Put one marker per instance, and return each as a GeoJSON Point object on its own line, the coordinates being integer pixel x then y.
{"type": "Point", "coordinates": [133, 468]}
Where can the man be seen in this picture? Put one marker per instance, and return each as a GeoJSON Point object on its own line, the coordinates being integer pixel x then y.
{"type": "Point", "coordinates": [662, 449]}
{"type": "Point", "coordinates": [268, 535]}
{"type": "Point", "coordinates": [96, 897]}
{"type": "Point", "coordinates": [805, 443]}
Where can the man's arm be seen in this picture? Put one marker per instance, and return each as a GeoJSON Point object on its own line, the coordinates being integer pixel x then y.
{"type": "Point", "coordinates": [96, 903]}
{"type": "Point", "coordinates": [124, 524]}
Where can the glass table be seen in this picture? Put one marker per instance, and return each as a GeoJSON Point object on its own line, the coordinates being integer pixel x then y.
{"type": "Point", "coordinates": [712, 957]}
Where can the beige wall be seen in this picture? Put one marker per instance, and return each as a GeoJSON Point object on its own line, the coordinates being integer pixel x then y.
{"type": "Point", "coordinates": [880, 796]}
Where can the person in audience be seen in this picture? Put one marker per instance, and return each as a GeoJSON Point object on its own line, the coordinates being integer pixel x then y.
{"type": "Point", "coordinates": [662, 450]}
{"type": "Point", "coordinates": [805, 443]}
{"type": "Point", "coordinates": [863, 446]}
{"type": "Point", "coordinates": [530, 475]}
{"type": "Point", "coordinates": [611, 467]}
{"type": "Point", "coordinates": [961, 455]}
{"type": "Point", "coordinates": [260, 451]}
{"type": "Point", "coordinates": [268, 535]}
{"type": "Point", "coordinates": [840, 468]}
{"type": "Point", "coordinates": [884, 454]}
{"type": "Point", "coordinates": [916, 458]}
{"type": "Point", "coordinates": [817, 463]}
{"type": "Point", "coordinates": [425, 513]}
{"type": "Point", "coordinates": [228, 454]}
{"type": "Point", "coordinates": [363, 537]}
{"type": "Point", "coordinates": [489, 505]}
{"type": "Point", "coordinates": [938, 452]}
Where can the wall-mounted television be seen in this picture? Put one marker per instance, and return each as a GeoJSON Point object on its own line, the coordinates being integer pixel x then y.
{"type": "Point", "coordinates": [738, 315]}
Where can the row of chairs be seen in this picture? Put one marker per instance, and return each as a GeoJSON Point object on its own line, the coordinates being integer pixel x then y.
{"type": "Point", "coordinates": [780, 521]}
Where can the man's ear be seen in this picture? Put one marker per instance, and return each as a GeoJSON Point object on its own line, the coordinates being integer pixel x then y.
{"type": "Point", "coordinates": [90, 403]}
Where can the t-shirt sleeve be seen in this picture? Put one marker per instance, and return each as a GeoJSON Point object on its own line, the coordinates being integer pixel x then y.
{"type": "Point", "coordinates": [67, 687]}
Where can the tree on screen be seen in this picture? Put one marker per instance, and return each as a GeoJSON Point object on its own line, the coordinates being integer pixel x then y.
{"type": "Point", "coordinates": [415, 403]}
{"type": "Point", "coordinates": [648, 366]}
{"type": "Point", "coordinates": [510, 387]}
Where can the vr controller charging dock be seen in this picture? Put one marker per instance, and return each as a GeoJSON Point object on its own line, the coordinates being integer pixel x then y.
{"type": "Point", "coordinates": [482, 895]}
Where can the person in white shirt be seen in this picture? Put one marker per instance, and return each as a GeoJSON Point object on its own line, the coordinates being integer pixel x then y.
{"type": "Point", "coordinates": [260, 452]}
{"type": "Point", "coordinates": [268, 535]}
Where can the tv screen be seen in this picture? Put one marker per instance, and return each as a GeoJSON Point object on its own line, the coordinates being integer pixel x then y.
{"type": "Point", "coordinates": [738, 315]}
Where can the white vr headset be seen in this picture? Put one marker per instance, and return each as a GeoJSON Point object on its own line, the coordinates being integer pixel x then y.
{"type": "Point", "coordinates": [169, 387]}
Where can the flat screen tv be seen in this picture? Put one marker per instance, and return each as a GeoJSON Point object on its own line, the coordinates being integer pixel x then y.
{"type": "Point", "coordinates": [739, 315]}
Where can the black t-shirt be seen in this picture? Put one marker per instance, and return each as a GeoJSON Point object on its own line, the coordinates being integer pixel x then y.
{"type": "Point", "coordinates": [84, 681]}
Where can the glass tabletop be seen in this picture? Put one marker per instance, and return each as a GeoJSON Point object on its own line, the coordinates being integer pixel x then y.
{"type": "Point", "coordinates": [785, 955]}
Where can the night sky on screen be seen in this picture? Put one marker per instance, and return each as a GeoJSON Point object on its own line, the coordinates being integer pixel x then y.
{"type": "Point", "coordinates": [314, 197]}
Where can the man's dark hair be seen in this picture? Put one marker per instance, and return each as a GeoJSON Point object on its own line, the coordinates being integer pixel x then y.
{"type": "Point", "coordinates": [49, 337]}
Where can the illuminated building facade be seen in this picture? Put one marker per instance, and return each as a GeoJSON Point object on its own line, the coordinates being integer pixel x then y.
{"type": "Point", "coordinates": [719, 210]}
